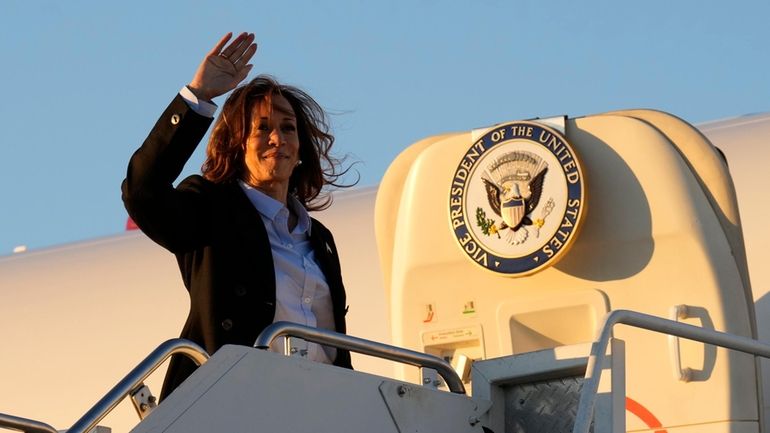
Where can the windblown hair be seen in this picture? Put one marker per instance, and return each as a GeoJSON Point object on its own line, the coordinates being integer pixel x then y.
{"type": "Point", "coordinates": [225, 154]}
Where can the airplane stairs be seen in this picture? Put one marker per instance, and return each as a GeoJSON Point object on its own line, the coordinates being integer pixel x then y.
{"type": "Point", "coordinates": [246, 389]}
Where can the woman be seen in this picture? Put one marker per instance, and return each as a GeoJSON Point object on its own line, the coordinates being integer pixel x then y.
{"type": "Point", "coordinates": [248, 251]}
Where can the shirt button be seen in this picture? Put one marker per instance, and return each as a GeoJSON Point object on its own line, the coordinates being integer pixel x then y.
{"type": "Point", "coordinates": [306, 300]}
{"type": "Point", "coordinates": [289, 246]}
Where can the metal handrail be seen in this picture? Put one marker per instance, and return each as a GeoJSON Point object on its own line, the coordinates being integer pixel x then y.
{"type": "Point", "coordinates": [135, 378]}
{"type": "Point", "coordinates": [24, 424]}
{"type": "Point", "coordinates": [360, 345]}
{"type": "Point", "coordinates": [656, 324]}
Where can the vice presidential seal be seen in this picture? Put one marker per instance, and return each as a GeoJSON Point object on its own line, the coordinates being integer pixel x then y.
{"type": "Point", "coordinates": [517, 198]}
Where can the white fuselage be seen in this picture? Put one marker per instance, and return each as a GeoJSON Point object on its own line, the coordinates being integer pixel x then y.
{"type": "Point", "coordinates": [76, 318]}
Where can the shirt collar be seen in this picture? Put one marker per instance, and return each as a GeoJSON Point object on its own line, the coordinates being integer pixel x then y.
{"type": "Point", "coordinates": [269, 207]}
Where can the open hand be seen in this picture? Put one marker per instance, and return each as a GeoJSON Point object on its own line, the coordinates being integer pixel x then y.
{"type": "Point", "coordinates": [224, 66]}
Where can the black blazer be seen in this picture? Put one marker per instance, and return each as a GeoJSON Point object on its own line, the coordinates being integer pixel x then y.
{"type": "Point", "coordinates": [219, 241]}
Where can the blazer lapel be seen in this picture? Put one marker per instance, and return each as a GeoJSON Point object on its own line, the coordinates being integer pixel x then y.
{"type": "Point", "coordinates": [323, 251]}
{"type": "Point", "coordinates": [329, 264]}
{"type": "Point", "coordinates": [254, 251]}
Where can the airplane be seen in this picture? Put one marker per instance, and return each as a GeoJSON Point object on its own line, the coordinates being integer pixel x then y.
{"type": "Point", "coordinates": [77, 317]}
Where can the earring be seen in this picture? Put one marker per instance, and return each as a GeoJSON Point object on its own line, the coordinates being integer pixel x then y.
{"type": "Point", "coordinates": [299, 162]}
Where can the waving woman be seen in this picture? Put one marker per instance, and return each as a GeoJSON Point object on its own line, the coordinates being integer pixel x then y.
{"type": "Point", "coordinates": [247, 249]}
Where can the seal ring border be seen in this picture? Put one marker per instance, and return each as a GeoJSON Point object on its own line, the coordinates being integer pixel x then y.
{"type": "Point", "coordinates": [558, 255]}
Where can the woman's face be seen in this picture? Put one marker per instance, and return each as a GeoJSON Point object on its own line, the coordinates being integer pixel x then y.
{"type": "Point", "coordinates": [272, 148]}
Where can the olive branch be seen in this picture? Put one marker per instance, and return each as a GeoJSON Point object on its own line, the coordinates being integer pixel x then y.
{"type": "Point", "coordinates": [487, 225]}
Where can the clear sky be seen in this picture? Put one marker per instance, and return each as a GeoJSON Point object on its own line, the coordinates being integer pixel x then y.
{"type": "Point", "coordinates": [83, 81]}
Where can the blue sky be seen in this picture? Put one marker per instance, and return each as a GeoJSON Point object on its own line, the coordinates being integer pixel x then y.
{"type": "Point", "coordinates": [83, 81]}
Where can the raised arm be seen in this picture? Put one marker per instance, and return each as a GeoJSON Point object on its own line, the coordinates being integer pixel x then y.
{"type": "Point", "coordinates": [180, 219]}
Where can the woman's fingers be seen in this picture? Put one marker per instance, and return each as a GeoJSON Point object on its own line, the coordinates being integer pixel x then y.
{"type": "Point", "coordinates": [228, 50]}
{"type": "Point", "coordinates": [238, 46]}
{"type": "Point", "coordinates": [245, 56]}
{"type": "Point", "coordinates": [226, 65]}
{"type": "Point", "coordinates": [239, 51]}
{"type": "Point", "coordinates": [218, 47]}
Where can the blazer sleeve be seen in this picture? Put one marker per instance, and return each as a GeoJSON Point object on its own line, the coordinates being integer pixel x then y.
{"type": "Point", "coordinates": [176, 218]}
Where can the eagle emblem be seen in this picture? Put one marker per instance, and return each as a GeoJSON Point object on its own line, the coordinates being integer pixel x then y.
{"type": "Point", "coordinates": [514, 184]}
{"type": "Point", "coordinates": [517, 197]}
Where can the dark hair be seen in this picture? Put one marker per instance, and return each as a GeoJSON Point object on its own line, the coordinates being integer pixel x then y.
{"type": "Point", "coordinates": [225, 161]}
